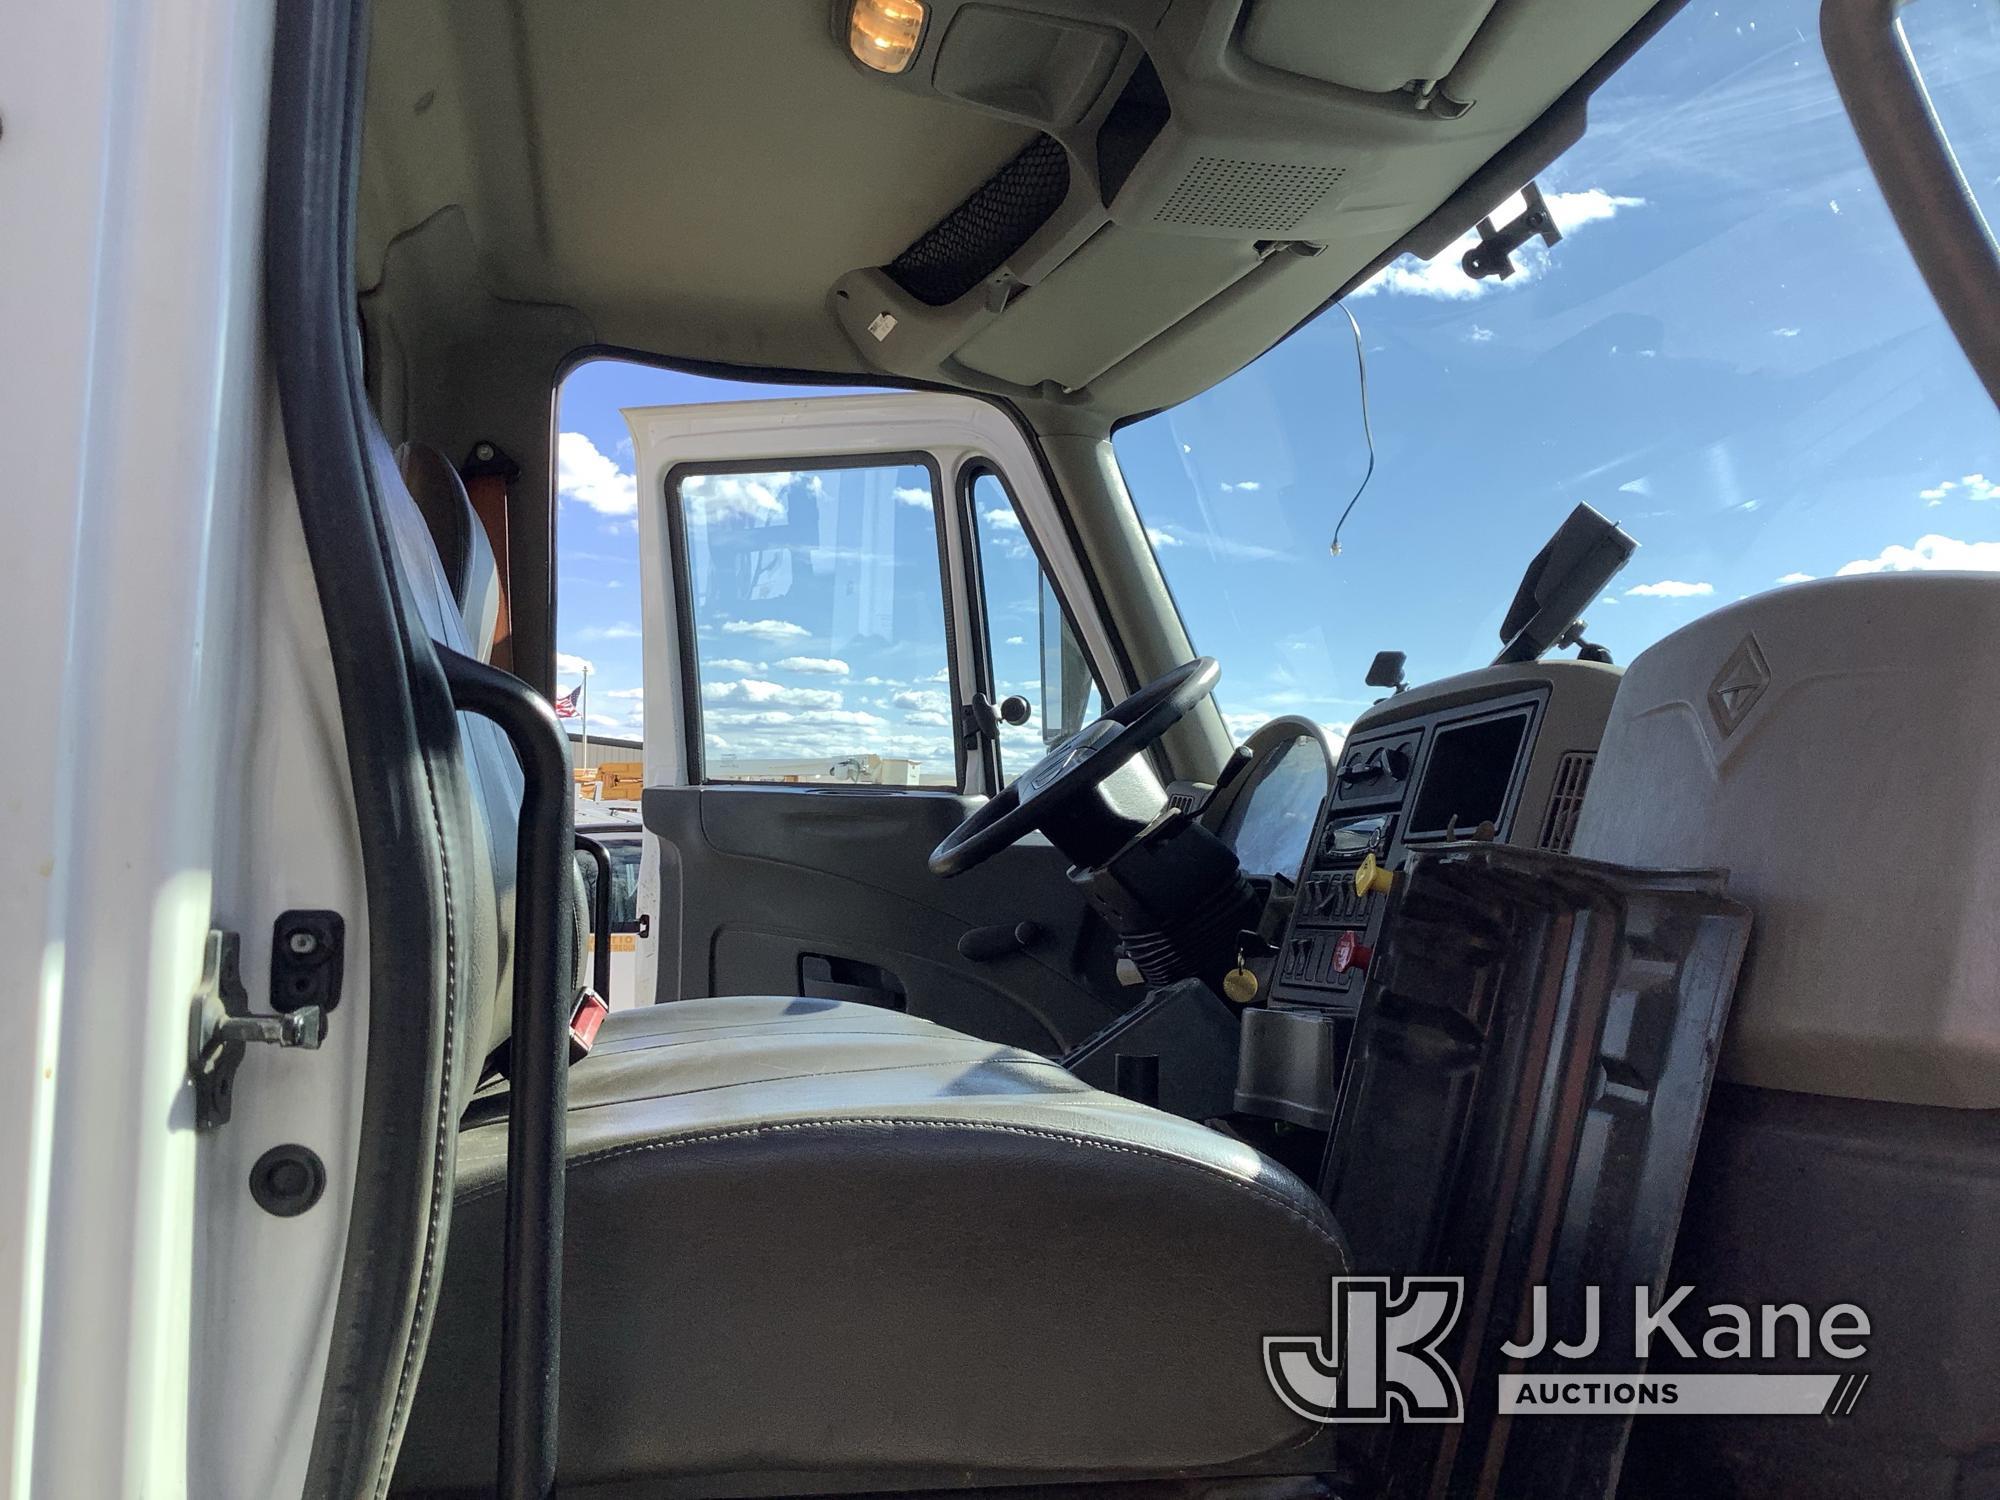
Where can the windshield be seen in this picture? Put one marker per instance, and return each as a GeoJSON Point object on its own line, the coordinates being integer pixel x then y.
{"type": "Point", "coordinates": [1730, 353]}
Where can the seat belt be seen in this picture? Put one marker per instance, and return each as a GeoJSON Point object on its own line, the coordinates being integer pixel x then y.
{"type": "Point", "coordinates": [487, 471]}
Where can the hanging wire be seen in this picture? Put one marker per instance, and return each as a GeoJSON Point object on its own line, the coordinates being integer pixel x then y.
{"type": "Point", "coordinates": [1367, 428]}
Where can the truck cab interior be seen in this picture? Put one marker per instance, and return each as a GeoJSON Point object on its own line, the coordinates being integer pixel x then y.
{"type": "Point", "coordinates": [979, 1136]}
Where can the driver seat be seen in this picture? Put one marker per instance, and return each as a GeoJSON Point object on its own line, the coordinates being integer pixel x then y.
{"type": "Point", "coordinates": [814, 1246]}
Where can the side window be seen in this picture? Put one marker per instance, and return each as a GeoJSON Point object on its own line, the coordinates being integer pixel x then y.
{"type": "Point", "coordinates": [815, 618]}
{"type": "Point", "coordinates": [1033, 652]}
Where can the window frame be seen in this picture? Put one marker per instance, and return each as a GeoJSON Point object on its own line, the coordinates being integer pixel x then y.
{"type": "Point", "coordinates": [970, 472]}
{"type": "Point", "coordinates": [690, 650]}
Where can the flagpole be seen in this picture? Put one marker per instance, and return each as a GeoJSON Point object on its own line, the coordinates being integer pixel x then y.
{"type": "Point", "coordinates": [585, 716]}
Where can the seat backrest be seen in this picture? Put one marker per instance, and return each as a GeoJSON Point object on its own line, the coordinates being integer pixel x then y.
{"type": "Point", "coordinates": [1829, 744]}
{"type": "Point", "coordinates": [493, 774]}
{"type": "Point", "coordinates": [464, 552]}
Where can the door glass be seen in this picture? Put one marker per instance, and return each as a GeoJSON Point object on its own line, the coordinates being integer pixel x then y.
{"type": "Point", "coordinates": [1035, 655]}
{"type": "Point", "coordinates": [817, 601]}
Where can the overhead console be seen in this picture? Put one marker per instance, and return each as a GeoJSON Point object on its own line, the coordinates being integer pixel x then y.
{"type": "Point", "coordinates": [1188, 147]}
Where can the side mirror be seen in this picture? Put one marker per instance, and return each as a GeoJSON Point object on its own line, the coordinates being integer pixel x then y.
{"type": "Point", "coordinates": [1585, 554]}
{"type": "Point", "coordinates": [1386, 671]}
{"type": "Point", "coordinates": [1066, 679]}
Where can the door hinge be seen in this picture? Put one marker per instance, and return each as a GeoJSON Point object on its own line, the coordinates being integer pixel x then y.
{"type": "Point", "coordinates": [220, 1027]}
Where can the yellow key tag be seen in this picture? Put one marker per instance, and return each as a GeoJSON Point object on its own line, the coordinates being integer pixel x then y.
{"type": "Point", "coordinates": [1240, 985]}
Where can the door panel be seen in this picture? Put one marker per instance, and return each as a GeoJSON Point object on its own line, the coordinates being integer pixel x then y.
{"type": "Point", "coordinates": [820, 701]}
{"type": "Point", "coordinates": [766, 877]}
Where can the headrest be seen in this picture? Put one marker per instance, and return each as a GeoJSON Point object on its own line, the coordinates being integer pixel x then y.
{"type": "Point", "coordinates": [463, 550]}
{"type": "Point", "coordinates": [1830, 745]}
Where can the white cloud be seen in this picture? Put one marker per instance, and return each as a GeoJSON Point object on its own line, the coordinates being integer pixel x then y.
{"type": "Point", "coordinates": [1636, 487]}
{"type": "Point", "coordinates": [755, 690]}
{"type": "Point", "coordinates": [636, 695]}
{"type": "Point", "coordinates": [825, 666]}
{"type": "Point", "coordinates": [1001, 518]}
{"type": "Point", "coordinates": [770, 630]}
{"type": "Point", "coordinates": [1928, 554]}
{"type": "Point", "coordinates": [1480, 335]}
{"type": "Point", "coordinates": [573, 666]}
{"type": "Point", "coordinates": [603, 721]}
{"type": "Point", "coordinates": [1669, 588]}
{"type": "Point", "coordinates": [734, 664]}
{"type": "Point", "coordinates": [922, 700]}
{"type": "Point", "coordinates": [1242, 484]}
{"type": "Point", "coordinates": [1444, 276]}
{"type": "Point", "coordinates": [1969, 487]}
{"type": "Point", "coordinates": [585, 475]}
{"type": "Point", "coordinates": [1017, 640]}
{"type": "Point", "coordinates": [1608, 599]}
{"type": "Point", "coordinates": [768, 718]}
{"type": "Point", "coordinates": [621, 632]}
{"type": "Point", "coordinates": [1796, 578]}
{"type": "Point", "coordinates": [910, 494]}
{"type": "Point", "coordinates": [1242, 726]}
{"type": "Point", "coordinates": [1785, 333]}
{"type": "Point", "coordinates": [1161, 538]}
{"type": "Point", "coordinates": [753, 499]}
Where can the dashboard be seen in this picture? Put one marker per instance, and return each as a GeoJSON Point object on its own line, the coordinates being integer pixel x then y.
{"type": "Point", "coordinates": [1502, 753]}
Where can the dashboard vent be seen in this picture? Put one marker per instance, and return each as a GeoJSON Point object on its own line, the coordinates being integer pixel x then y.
{"type": "Point", "coordinates": [1566, 801]}
{"type": "Point", "coordinates": [1188, 796]}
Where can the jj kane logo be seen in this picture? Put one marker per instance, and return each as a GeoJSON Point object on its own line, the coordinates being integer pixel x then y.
{"type": "Point", "coordinates": [1380, 1359]}
{"type": "Point", "coordinates": [1379, 1354]}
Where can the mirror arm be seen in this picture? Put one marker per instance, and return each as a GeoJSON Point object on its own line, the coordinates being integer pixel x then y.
{"type": "Point", "coordinates": [1912, 161]}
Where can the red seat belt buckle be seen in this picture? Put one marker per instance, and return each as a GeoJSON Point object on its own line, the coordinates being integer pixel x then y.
{"type": "Point", "coordinates": [584, 1021]}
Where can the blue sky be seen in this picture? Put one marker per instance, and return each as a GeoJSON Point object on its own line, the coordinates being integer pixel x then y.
{"type": "Point", "coordinates": [1730, 352]}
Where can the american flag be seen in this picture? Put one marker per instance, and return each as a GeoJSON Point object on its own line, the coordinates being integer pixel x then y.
{"type": "Point", "coordinates": [566, 705]}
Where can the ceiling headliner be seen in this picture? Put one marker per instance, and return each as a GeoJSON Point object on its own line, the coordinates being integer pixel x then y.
{"type": "Point", "coordinates": [693, 180]}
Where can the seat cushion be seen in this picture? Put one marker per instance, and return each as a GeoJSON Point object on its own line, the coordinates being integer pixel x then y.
{"type": "Point", "coordinates": [818, 1245]}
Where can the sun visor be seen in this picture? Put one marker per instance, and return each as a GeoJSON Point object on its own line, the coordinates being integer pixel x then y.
{"type": "Point", "coordinates": [1363, 44]}
{"type": "Point", "coordinates": [1108, 299]}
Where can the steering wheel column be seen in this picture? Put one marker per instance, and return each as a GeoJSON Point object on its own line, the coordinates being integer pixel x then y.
{"type": "Point", "coordinates": [1171, 889]}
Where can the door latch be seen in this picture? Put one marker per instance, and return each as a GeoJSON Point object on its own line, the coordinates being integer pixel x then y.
{"type": "Point", "coordinates": [220, 1027]}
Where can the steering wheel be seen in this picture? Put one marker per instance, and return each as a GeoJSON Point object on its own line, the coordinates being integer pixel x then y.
{"type": "Point", "coordinates": [1064, 793]}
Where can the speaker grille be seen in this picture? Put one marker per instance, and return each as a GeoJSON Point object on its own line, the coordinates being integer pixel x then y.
{"type": "Point", "coordinates": [1220, 192]}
